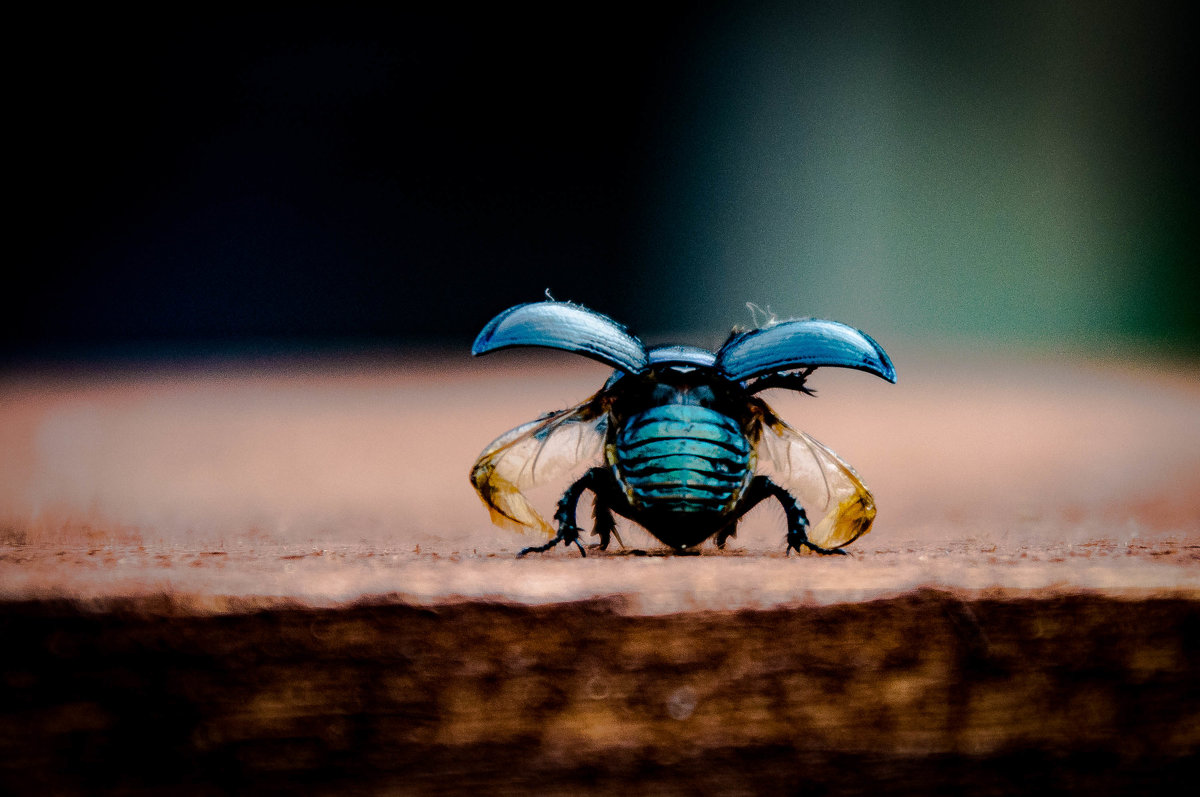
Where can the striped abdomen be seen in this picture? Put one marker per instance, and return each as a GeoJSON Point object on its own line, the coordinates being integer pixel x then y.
{"type": "Point", "coordinates": [682, 458]}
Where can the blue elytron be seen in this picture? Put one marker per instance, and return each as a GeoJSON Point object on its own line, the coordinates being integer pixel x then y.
{"type": "Point", "coordinates": [677, 439]}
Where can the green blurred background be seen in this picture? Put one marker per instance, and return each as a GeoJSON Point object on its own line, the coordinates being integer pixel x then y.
{"type": "Point", "coordinates": [310, 176]}
{"type": "Point", "coordinates": [1012, 171]}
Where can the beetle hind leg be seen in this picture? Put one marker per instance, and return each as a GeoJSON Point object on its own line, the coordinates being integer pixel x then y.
{"type": "Point", "coordinates": [762, 488]}
{"type": "Point", "coordinates": [568, 532]}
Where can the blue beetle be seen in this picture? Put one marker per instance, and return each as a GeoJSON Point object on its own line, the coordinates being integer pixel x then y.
{"type": "Point", "coordinates": [687, 447]}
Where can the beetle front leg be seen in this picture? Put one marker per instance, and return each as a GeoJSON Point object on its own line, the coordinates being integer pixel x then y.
{"type": "Point", "coordinates": [568, 532]}
{"type": "Point", "coordinates": [762, 488]}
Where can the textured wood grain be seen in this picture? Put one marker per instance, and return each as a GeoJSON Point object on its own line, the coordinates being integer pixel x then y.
{"type": "Point", "coordinates": [925, 693]}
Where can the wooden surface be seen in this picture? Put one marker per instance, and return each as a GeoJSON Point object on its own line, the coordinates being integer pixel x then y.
{"type": "Point", "coordinates": [329, 480]}
{"type": "Point", "coordinates": [254, 576]}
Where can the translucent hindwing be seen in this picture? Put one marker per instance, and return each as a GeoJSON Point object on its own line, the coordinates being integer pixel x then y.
{"type": "Point", "coordinates": [840, 508]}
{"type": "Point", "coordinates": [536, 453]}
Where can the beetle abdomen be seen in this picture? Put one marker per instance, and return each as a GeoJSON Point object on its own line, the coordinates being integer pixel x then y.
{"type": "Point", "coordinates": [682, 458]}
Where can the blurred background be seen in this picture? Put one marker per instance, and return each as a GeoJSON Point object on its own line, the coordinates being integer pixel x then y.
{"type": "Point", "coordinates": [279, 177]}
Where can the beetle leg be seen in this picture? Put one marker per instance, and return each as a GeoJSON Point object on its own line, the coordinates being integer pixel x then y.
{"type": "Point", "coordinates": [560, 537]}
{"type": "Point", "coordinates": [568, 532]}
{"type": "Point", "coordinates": [606, 525]}
{"type": "Point", "coordinates": [760, 489]}
{"type": "Point", "coordinates": [725, 533]}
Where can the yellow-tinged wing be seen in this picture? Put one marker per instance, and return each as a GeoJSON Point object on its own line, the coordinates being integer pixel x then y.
{"type": "Point", "coordinates": [839, 506]}
{"type": "Point", "coordinates": [536, 453]}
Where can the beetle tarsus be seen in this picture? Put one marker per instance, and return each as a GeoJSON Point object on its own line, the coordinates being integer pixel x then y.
{"type": "Point", "coordinates": [539, 548]}
{"type": "Point", "coordinates": [567, 534]}
{"type": "Point", "coordinates": [796, 541]}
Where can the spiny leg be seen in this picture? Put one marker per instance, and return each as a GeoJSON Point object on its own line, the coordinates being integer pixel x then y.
{"type": "Point", "coordinates": [762, 488]}
{"type": "Point", "coordinates": [606, 525]}
{"type": "Point", "coordinates": [568, 532]}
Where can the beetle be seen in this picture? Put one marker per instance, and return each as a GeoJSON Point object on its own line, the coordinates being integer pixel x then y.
{"type": "Point", "coordinates": [677, 439]}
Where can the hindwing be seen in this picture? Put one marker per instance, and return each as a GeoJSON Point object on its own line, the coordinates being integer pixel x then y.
{"type": "Point", "coordinates": [535, 453]}
{"type": "Point", "coordinates": [839, 506]}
